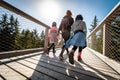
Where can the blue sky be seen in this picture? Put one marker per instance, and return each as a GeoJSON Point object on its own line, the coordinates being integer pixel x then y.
{"type": "Point", "coordinates": [48, 11]}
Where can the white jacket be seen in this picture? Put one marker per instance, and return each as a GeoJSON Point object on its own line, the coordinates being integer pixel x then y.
{"type": "Point", "coordinates": [79, 25]}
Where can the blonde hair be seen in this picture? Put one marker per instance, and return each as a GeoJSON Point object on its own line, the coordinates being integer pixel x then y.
{"type": "Point", "coordinates": [69, 13]}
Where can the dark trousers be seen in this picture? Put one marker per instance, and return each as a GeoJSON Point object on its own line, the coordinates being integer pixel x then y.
{"type": "Point", "coordinates": [66, 36]}
{"type": "Point", "coordinates": [75, 47]}
{"type": "Point", "coordinates": [52, 46]}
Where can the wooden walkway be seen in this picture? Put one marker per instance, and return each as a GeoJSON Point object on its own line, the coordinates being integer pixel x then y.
{"type": "Point", "coordinates": [37, 66]}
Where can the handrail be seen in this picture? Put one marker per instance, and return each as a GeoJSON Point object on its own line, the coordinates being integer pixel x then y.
{"type": "Point", "coordinates": [104, 20]}
{"type": "Point", "coordinates": [21, 13]}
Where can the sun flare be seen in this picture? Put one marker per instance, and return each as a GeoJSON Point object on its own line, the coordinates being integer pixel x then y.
{"type": "Point", "coordinates": [50, 9]}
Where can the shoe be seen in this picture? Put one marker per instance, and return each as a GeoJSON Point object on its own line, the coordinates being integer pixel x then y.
{"type": "Point", "coordinates": [47, 52]}
{"type": "Point", "coordinates": [61, 54]}
{"type": "Point", "coordinates": [61, 58]}
{"type": "Point", "coordinates": [71, 58]}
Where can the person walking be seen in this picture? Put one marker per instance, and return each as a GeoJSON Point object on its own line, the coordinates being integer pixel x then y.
{"type": "Point", "coordinates": [78, 40]}
{"type": "Point", "coordinates": [65, 28]}
{"type": "Point", "coordinates": [52, 36]}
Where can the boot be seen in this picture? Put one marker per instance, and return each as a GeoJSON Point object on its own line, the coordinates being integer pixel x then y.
{"type": "Point", "coordinates": [71, 57]}
{"type": "Point", "coordinates": [79, 56]}
{"type": "Point", "coordinates": [61, 54]}
{"type": "Point", "coordinates": [47, 51]}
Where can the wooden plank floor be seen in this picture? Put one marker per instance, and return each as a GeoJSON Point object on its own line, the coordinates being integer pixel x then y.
{"type": "Point", "coordinates": [38, 66]}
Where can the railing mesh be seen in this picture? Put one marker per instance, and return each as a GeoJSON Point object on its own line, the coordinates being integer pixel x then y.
{"type": "Point", "coordinates": [18, 33]}
{"type": "Point", "coordinates": [106, 38]}
{"type": "Point", "coordinates": [112, 49]}
{"type": "Point", "coordinates": [96, 40]}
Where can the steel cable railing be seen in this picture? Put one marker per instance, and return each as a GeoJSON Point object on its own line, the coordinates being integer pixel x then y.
{"type": "Point", "coordinates": [105, 39]}
{"type": "Point", "coordinates": [18, 33]}
{"type": "Point", "coordinates": [113, 41]}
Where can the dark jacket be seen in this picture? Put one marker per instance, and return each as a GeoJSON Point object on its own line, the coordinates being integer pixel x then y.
{"type": "Point", "coordinates": [67, 27]}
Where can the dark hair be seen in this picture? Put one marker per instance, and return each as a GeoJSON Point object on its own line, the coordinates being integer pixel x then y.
{"type": "Point", "coordinates": [79, 17]}
{"type": "Point", "coordinates": [54, 24]}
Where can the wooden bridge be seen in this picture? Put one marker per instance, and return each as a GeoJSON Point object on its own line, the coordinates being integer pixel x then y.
{"type": "Point", "coordinates": [38, 66]}
{"type": "Point", "coordinates": [97, 64]}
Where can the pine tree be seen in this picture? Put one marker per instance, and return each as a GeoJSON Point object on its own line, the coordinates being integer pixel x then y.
{"type": "Point", "coordinates": [7, 33]}
{"type": "Point", "coordinates": [17, 45]}
{"type": "Point", "coordinates": [3, 26]}
{"type": "Point", "coordinates": [94, 23]}
{"type": "Point", "coordinates": [36, 39]}
{"type": "Point", "coordinates": [42, 37]}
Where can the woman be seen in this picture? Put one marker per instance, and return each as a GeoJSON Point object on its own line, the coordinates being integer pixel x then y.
{"type": "Point", "coordinates": [65, 28]}
{"type": "Point", "coordinates": [78, 40]}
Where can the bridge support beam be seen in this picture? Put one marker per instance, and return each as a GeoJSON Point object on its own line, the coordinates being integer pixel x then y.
{"type": "Point", "coordinates": [46, 39]}
{"type": "Point", "coordinates": [104, 38]}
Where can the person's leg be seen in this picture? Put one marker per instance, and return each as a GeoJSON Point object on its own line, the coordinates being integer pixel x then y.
{"type": "Point", "coordinates": [62, 51]}
{"type": "Point", "coordinates": [71, 55]}
{"type": "Point", "coordinates": [79, 53]}
{"type": "Point", "coordinates": [67, 50]}
{"type": "Point", "coordinates": [54, 48]}
{"type": "Point", "coordinates": [50, 46]}
{"type": "Point", "coordinates": [47, 51]}
{"type": "Point", "coordinates": [66, 36]}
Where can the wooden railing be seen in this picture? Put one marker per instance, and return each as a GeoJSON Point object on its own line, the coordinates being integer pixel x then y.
{"type": "Point", "coordinates": [26, 16]}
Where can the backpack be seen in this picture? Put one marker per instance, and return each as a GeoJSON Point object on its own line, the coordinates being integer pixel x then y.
{"type": "Point", "coordinates": [65, 23]}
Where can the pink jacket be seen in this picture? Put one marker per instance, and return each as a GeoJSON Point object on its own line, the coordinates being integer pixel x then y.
{"type": "Point", "coordinates": [53, 35]}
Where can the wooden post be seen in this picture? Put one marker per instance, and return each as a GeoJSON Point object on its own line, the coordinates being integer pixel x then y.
{"type": "Point", "coordinates": [46, 39]}
{"type": "Point", "coordinates": [104, 38]}
{"type": "Point", "coordinates": [93, 40]}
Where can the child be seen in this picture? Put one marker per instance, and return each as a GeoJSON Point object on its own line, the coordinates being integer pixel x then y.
{"type": "Point", "coordinates": [53, 34]}
{"type": "Point", "coordinates": [78, 40]}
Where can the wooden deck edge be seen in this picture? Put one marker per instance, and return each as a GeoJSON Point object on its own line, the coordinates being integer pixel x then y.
{"type": "Point", "coordinates": [113, 64]}
{"type": "Point", "coordinates": [9, 54]}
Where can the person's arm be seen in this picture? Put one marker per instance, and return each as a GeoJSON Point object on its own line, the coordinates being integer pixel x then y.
{"type": "Point", "coordinates": [71, 21]}
{"type": "Point", "coordinates": [60, 28]}
{"type": "Point", "coordinates": [84, 28]}
{"type": "Point", "coordinates": [71, 32]}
